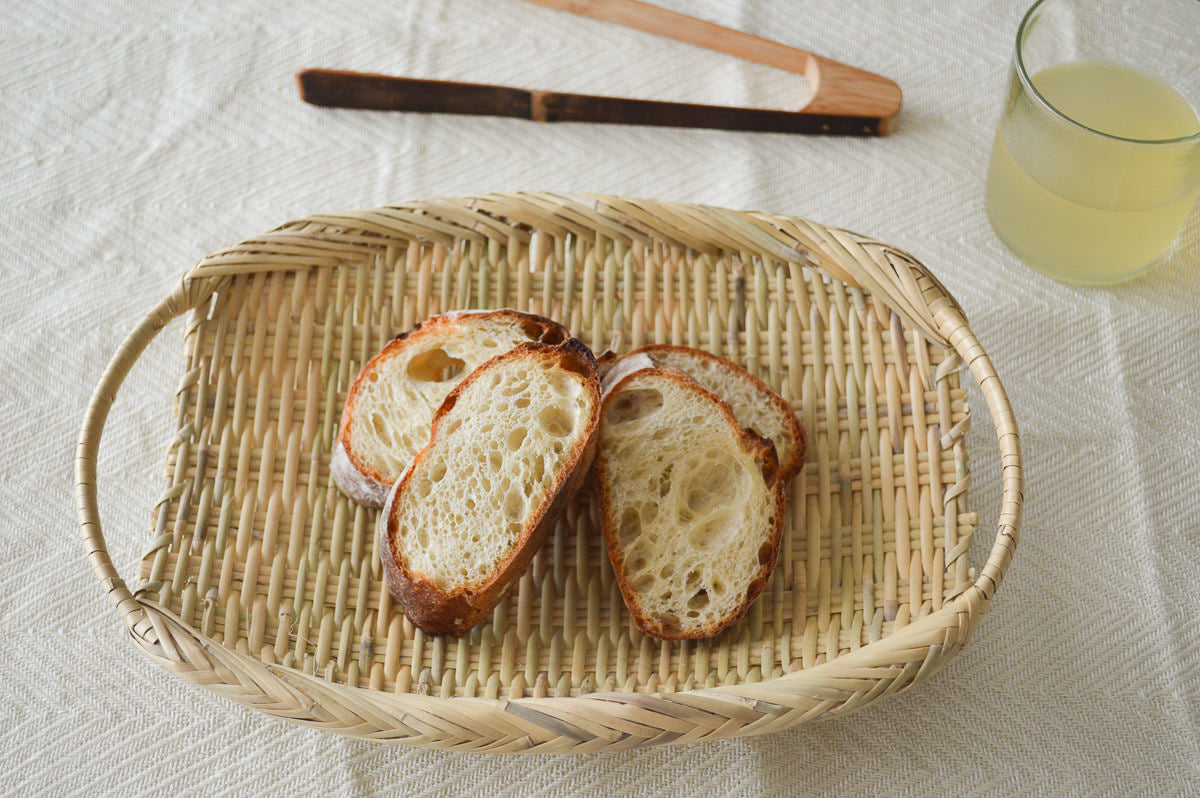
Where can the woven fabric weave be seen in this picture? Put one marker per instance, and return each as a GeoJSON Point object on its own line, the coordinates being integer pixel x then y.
{"type": "Point", "coordinates": [137, 141]}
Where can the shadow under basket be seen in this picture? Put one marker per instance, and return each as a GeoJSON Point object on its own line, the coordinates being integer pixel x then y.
{"type": "Point", "coordinates": [263, 583]}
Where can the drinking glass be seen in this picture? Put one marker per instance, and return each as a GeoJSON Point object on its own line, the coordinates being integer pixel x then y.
{"type": "Point", "coordinates": [1096, 161]}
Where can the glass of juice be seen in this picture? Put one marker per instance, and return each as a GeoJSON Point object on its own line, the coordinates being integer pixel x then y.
{"type": "Point", "coordinates": [1096, 162]}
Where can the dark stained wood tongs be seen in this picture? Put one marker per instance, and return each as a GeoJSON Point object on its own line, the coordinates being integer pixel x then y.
{"type": "Point", "coordinates": [845, 101]}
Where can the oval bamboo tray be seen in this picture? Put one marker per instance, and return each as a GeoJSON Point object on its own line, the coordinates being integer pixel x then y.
{"type": "Point", "coordinates": [261, 581]}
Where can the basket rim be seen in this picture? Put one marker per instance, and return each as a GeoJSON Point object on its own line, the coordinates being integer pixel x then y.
{"type": "Point", "coordinates": [580, 723]}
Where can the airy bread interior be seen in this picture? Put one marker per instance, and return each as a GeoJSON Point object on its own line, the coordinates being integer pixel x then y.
{"type": "Point", "coordinates": [744, 396]}
{"type": "Point", "coordinates": [495, 456]}
{"type": "Point", "coordinates": [397, 400]}
{"type": "Point", "coordinates": [689, 505]}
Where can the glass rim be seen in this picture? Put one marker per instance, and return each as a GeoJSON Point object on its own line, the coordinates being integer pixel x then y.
{"type": "Point", "coordinates": [1027, 83]}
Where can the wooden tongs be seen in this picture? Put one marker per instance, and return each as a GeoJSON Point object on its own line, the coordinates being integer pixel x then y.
{"type": "Point", "coordinates": [845, 101]}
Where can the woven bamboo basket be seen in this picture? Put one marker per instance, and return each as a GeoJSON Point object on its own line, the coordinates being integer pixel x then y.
{"type": "Point", "coordinates": [261, 581]}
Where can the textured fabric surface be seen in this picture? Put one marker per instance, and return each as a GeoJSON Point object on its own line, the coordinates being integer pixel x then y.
{"type": "Point", "coordinates": [137, 137]}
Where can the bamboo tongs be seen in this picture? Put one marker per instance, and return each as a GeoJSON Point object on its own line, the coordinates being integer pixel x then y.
{"type": "Point", "coordinates": [845, 101]}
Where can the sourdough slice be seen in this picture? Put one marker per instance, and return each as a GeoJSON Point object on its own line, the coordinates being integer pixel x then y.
{"type": "Point", "coordinates": [691, 505]}
{"type": "Point", "coordinates": [753, 403]}
{"type": "Point", "coordinates": [509, 446]}
{"type": "Point", "coordinates": [391, 402]}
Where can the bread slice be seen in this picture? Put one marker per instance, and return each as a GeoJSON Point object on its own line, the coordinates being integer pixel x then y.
{"type": "Point", "coordinates": [509, 446]}
{"type": "Point", "coordinates": [753, 403]}
{"type": "Point", "coordinates": [391, 402]}
{"type": "Point", "coordinates": [691, 505]}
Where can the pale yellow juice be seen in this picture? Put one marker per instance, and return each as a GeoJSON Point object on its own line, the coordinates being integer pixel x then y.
{"type": "Point", "coordinates": [1085, 208]}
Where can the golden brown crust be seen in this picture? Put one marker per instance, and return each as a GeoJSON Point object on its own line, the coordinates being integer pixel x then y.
{"type": "Point", "coordinates": [438, 611]}
{"type": "Point", "coordinates": [355, 476]}
{"type": "Point", "coordinates": [763, 452]}
{"type": "Point", "coordinates": [795, 461]}
{"type": "Point", "coordinates": [605, 361]}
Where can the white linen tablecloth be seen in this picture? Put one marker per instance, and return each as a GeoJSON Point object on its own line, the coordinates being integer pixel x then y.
{"type": "Point", "coordinates": [136, 137]}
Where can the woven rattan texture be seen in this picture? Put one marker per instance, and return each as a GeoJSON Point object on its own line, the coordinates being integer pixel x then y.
{"type": "Point", "coordinates": [254, 547]}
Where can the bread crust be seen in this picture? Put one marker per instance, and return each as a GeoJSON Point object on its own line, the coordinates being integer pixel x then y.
{"type": "Point", "coordinates": [454, 612]}
{"type": "Point", "coordinates": [763, 452]}
{"type": "Point", "coordinates": [795, 461]}
{"type": "Point", "coordinates": [353, 475]}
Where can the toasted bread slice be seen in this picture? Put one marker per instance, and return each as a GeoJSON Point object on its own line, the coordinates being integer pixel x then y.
{"type": "Point", "coordinates": [691, 505]}
{"type": "Point", "coordinates": [391, 402]}
{"type": "Point", "coordinates": [753, 403]}
{"type": "Point", "coordinates": [509, 446]}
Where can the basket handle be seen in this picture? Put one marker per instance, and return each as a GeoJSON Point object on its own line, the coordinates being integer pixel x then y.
{"type": "Point", "coordinates": [183, 298]}
{"type": "Point", "coordinates": [908, 287]}
{"type": "Point", "coordinates": [952, 324]}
